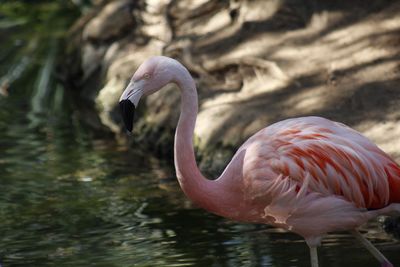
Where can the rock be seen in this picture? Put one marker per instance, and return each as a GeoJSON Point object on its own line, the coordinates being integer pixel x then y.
{"type": "Point", "coordinates": [111, 22]}
{"type": "Point", "coordinates": [254, 62]}
{"type": "Point", "coordinates": [92, 57]}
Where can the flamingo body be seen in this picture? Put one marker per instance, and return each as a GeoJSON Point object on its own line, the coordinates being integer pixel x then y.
{"type": "Point", "coordinates": [339, 160]}
{"type": "Point", "coordinates": [308, 175]}
{"type": "Point", "coordinates": [311, 175]}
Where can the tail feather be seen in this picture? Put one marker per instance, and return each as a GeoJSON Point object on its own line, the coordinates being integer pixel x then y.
{"type": "Point", "coordinates": [393, 174]}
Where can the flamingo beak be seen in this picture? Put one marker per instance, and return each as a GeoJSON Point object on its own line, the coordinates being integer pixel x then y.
{"type": "Point", "coordinates": [128, 103]}
{"type": "Point", "coordinates": [127, 109]}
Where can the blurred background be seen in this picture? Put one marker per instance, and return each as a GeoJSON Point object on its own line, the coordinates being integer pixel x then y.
{"type": "Point", "coordinates": [76, 191]}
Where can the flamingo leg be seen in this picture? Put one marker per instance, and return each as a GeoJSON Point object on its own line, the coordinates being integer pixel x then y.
{"type": "Point", "coordinates": [371, 248]}
{"type": "Point", "coordinates": [314, 256]}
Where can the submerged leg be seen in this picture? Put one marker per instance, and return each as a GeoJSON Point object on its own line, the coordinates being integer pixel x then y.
{"type": "Point", "coordinates": [314, 256]}
{"type": "Point", "coordinates": [371, 248]}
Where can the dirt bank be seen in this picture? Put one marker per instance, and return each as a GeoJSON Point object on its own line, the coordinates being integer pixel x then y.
{"type": "Point", "coordinates": [254, 62]}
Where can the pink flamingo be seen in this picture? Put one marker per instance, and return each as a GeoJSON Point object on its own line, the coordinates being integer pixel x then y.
{"type": "Point", "coordinates": [307, 175]}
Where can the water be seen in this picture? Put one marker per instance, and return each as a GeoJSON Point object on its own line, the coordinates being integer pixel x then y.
{"type": "Point", "coordinates": [71, 198]}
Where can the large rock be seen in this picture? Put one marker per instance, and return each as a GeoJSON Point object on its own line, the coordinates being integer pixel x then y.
{"type": "Point", "coordinates": [252, 68]}
{"type": "Point", "coordinates": [111, 22]}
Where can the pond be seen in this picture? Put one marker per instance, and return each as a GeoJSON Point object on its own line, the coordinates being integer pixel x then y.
{"type": "Point", "coordinates": [70, 198]}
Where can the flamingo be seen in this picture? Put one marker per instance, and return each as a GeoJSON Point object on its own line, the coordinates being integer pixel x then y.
{"type": "Point", "coordinates": [308, 175]}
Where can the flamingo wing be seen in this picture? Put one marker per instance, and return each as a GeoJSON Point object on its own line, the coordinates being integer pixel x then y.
{"type": "Point", "coordinates": [333, 159]}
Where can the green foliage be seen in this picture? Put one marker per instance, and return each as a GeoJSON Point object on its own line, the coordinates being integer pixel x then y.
{"type": "Point", "coordinates": [31, 33]}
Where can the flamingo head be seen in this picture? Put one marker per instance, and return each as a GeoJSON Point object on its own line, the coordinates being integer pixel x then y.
{"type": "Point", "coordinates": [150, 77]}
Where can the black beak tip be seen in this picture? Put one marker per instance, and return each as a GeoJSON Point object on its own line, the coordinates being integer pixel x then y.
{"type": "Point", "coordinates": [127, 109]}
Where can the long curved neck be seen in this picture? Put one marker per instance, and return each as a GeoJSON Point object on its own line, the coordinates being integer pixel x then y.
{"type": "Point", "coordinates": [205, 193]}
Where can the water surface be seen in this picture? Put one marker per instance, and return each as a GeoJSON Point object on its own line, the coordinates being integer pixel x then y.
{"type": "Point", "coordinates": [70, 198]}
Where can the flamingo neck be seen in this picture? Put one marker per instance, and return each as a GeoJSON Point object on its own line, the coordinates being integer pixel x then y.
{"type": "Point", "coordinates": [205, 193]}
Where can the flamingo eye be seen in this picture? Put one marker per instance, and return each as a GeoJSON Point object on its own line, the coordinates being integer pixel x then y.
{"type": "Point", "coordinates": [146, 76]}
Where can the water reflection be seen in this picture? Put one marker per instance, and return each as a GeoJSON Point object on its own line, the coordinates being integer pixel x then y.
{"type": "Point", "coordinates": [66, 200]}
{"type": "Point", "coordinates": [69, 199]}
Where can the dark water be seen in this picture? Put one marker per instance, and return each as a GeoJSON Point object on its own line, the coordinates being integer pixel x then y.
{"type": "Point", "coordinates": [68, 198]}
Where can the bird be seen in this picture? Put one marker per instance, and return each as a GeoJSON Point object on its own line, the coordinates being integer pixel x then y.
{"type": "Point", "coordinates": [308, 175]}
